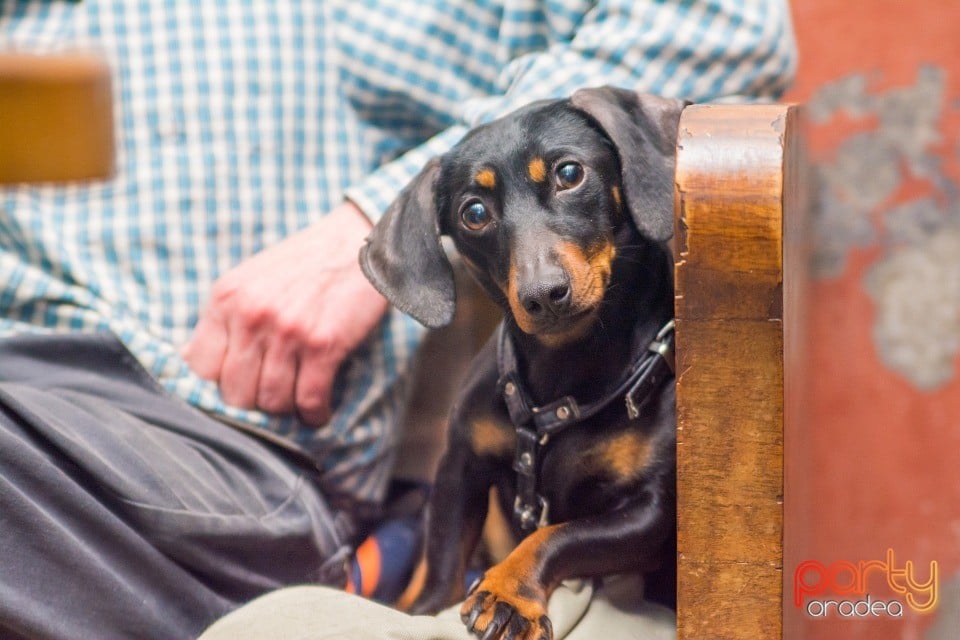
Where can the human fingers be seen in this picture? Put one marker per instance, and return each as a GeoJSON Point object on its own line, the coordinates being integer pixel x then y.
{"type": "Point", "coordinates": [240, 374]}
{"type": "Point", "coordinates": [318, 366]}
{"type": "Point", "coordinates": [207, 347]}
{"type": "Point", "coordinates": [277, 381]}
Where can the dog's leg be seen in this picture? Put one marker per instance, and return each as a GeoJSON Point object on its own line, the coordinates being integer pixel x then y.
{"type": "Point", "coordinates": [454, 522]}
{"type": "Point", "coordinates": [510, 601]}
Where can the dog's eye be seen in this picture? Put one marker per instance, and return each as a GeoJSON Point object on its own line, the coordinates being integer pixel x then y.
{"type": "Point", "coordinates": [475, 216]}
{"type": "Point", "coordinates": [569, 175]}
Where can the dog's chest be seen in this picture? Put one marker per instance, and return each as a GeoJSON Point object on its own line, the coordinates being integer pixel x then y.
{"type": "Point", "coordinates": [590, 468]}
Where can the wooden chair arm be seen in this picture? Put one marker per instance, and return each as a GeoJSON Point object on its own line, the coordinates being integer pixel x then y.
{"type": "Point", "coordinates": [740, 269]}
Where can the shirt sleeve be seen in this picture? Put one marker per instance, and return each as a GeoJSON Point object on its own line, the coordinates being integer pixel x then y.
{"type": "Point", "coordinates": [701, 50]}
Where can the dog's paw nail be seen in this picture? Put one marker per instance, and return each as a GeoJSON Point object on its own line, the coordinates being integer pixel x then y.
{"type": "Point", "coordinates": [547, 627]}
{"type": "Point", "coordinates": [493, 630]}
{"type": "Point", "coordinates": [471, 619]}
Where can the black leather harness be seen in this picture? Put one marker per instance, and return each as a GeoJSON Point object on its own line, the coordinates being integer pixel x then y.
{"type": "Point", "coordinates": [537, 425]}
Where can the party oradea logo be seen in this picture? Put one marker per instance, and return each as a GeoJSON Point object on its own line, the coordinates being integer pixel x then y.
{"type": "Point", "coordinates": [867, 589]}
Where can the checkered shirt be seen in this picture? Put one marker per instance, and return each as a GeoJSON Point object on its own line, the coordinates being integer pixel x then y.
{"type": "Point", "coordinates": [239, 122]}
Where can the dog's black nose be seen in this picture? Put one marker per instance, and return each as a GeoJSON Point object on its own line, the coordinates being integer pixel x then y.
{"type": "Point", "coordinates": [541, 297]}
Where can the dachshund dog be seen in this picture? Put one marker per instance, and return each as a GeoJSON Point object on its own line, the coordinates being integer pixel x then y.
{"type": "Point", "coordinates": [562, 211]}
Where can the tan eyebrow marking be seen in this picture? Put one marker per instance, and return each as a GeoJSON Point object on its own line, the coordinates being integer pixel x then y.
{"type": "Point", "coordinates": [627, 455]}
{"type": "Point", "coordinates": [486, 178]}
{"type": "Point", "coordinates": [489, 437]}
{"type": "Point", "coordinates": [537, 170]}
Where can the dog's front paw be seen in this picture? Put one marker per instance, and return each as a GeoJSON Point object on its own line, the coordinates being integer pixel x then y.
{"type": "Point", "coordinates": [502, 607]}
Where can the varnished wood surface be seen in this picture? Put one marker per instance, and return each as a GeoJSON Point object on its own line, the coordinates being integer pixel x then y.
{"type": "Point", "coordinates": [738, 310]}
{"type": "Point", "coordinates": [56, 121]}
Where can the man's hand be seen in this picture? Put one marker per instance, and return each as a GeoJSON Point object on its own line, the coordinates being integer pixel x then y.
{"type": "Point", "coordinates": [279, 324]}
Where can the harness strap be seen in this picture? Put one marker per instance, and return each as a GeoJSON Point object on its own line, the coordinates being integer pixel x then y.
{"type": "Point", "coordinates": [535, 425]}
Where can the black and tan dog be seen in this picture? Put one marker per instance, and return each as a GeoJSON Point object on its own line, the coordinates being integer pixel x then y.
{"type": "Point", "coordinates": [561, 211]}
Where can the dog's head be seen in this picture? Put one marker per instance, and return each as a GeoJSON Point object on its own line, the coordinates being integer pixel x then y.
{"type": "Point", "coordinates": [535, 203]}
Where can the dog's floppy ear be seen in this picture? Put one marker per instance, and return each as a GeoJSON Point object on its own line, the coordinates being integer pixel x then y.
{"type": "Point", "coordinates": [404, 259]}
{"type": "Point", "coordinates": [643, 129]}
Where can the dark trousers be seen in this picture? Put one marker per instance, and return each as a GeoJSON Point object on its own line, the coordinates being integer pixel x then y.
{"type": "Point", "coordinates": [125, 513]}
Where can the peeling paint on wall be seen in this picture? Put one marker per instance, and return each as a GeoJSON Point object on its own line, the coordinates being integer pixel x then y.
{"type": "Point", "coordinates": [917, 292]}
{"type": "Point", "coordinates": [881, 81]}
{"type": "Point", "coordinates": [947, 620]}
{"type": "Point", "coordinates": [916, 282]}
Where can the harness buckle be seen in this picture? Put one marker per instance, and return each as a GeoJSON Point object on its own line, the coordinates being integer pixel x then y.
{"type": "Point", "coordinates": [662, 345]}
{"type": "Point", "coordinates": [525, 459]}
{"type": "Point", "coordinates": [531, 516]}
{"type": "Point", "coordinates": [530, 509]}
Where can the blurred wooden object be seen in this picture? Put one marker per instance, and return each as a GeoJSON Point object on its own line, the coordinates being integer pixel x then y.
{"type": "Point", "coordinates": [56, 121]}
{"type": "Point", "coordinates": [739, 287]}
{"type": "Point", "coordinates": [442, 364]}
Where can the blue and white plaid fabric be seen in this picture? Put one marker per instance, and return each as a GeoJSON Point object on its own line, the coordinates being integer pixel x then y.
{"type": "Point", "coordinates": [241, 121]}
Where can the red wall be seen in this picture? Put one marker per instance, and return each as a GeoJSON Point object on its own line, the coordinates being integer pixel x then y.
{"type": "Point", "coordinates": [882, 458]}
